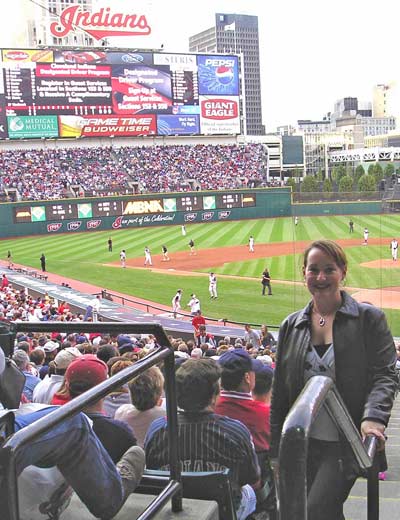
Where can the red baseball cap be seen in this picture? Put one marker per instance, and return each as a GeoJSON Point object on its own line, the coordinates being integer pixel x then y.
{"type": "Point", "coordinates": [85, 372]}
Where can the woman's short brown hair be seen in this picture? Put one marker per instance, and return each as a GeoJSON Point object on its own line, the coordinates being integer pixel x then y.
{"type": "Point", "coordinates": [330, 248]}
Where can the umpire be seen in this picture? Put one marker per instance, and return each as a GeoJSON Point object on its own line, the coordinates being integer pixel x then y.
{"type": "Point", "coordinates": [266, 282]}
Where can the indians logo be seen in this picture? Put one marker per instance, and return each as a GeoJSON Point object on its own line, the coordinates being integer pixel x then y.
{"type": "Point", "coordinates": [51, 228]}
{"type": "Point", "coordinates": [117, 224]}
{"type": "Point", "coordinates": [207, 216]}
{"type": "Point", "coordinates": [93, 224]}
{"type": "Point", "coordinates": [73, 226]}
{"type": "Point", "coordinates": [99, 24]}
{"type": "Point", "coordinates": [190, 217]}
{"type": "Point", "coordinates": [223, 214]}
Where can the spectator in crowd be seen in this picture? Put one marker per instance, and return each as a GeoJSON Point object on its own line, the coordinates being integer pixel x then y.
{"type": "Point", "coordinates": [267, 339]}
{"type": "Point", "coordinates": [50, 350]}
{"type": "Point", "coordinates": [43, 174]}
{"type": "Point", "coordinates": [21, 359]}
{"type": "Point", "coordinates": [237, 381]}
{"type": "Point", "coordinates": [106, 352]}
{"type": "Point", "coordinates": [198, 320]}
{"type": "Point", "coordinates": [82, 374]}
{"type": "Point", "coordinates": [51, 383]}
{"type": "Point", "coordinates": [204, 337]}
{"type": "Point", "coordinates": [119, 396]}
{"type": "Point", "coordinates": [37, 358]}
{"type": "Point", "coordinates": [146, 392]}
{"type": "Point", "coordinates": [350, 342]}
{"type": "Point", "coordinates": [251, 336]}
{"type": "Point", "coordinates": [205, 438]}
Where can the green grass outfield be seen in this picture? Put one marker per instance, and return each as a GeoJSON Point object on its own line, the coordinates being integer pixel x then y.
{"type": "Point", "coordinates": [81, 255]}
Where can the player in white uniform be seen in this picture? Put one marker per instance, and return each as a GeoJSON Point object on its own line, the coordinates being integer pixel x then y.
{"type": "Point", "coordinates": [194, 304]}
{"type": "Point", "coordinates": [251, 244]}
{"type": "Point", "coordinates": [147, 256]}
{"type": "Point", "coordinates": [212, 286]}
{"type": "Point", "coordinates": [366, 234]}
{"type": "Point", "coordinates": [176, 302]}
{"type": "Point", "coordinates": [296, 220]}
{"type": "Point", "coordinates": [394, 246]}
{"type": "Point", "coordinates": [122, 257]}
{"type": "Point", "coordinates": [183, 230]}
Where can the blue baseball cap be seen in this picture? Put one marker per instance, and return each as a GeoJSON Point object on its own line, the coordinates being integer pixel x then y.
{"type": "Point", "coordinates": [238, 360]}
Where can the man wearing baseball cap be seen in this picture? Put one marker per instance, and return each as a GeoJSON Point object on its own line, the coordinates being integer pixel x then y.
{"type": "Point", "coordinates": [73, 447]}
{"type": "Point", "coordinates": [238, 377]}
{"type": "Point", "coordinates": [235, 401]}
{"type": "Point", "coordinates": [45, 390]}
{"type": "Point", "coordinates": [82, 374]}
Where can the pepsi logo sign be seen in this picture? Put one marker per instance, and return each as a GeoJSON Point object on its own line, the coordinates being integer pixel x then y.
{"type": "Point", "coordinates": [207, 216]}
{"type": "Point", "coordinates": [54, 227]}
{"type": "Point", "coordinates": [220, 62]}
{"type": "Point", "coordinates": [224, 75]}
{"type": "Point", "coordinates": [190, 217]}
{"type": "Point", "coordinates": [219, 108]}
{"type": "Point", "coordinates": [73, 226]}
{"type": "Point", "coordinates": [93, 224]}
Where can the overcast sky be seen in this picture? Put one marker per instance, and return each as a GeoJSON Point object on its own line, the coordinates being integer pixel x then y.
{"type": "Point", "coordinates": [313, 52]}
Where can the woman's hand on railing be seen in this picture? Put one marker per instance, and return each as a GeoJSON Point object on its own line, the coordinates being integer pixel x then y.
{"type": "Point", "coordinates": [374, 428]}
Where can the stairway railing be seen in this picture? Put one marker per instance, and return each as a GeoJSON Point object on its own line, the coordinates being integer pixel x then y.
{"type": "Point", "coordinates": [292, 481]}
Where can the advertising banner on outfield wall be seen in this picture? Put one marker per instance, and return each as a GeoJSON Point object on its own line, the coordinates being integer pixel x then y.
{"type": "Point", "coordinates": [28, 127]}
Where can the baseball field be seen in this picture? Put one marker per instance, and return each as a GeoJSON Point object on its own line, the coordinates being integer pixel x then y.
{"type": "Point", "coordinates": [223, 248]}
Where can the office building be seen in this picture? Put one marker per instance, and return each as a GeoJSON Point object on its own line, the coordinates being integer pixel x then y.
{"type": "Point", "coordinates": [238, 34]}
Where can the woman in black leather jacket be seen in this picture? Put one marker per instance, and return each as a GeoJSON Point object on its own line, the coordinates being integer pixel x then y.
{"type": "Point", "coordinates": [350, 342]}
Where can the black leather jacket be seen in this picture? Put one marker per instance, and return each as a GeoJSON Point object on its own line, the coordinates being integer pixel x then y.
{"type": "Point", "coordinates": [365, 359]}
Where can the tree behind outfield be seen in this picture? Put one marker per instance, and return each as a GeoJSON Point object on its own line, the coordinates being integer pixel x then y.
{"type": "Point", "coordinates": [327, 186]}
{"type": "Point", "coordinates": [367, 183]}
{"type": "Point", "coordinates": [358, 173]}
{"type": "Point", "coordinates": [346, 184]}
{"type": "Point", "coordinates": [309, 184]}
{"type": "Point", "coordinates": [389, 170]}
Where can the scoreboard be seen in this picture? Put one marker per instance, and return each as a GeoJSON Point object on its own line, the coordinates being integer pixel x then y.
{"type": "Point", "coordinates": [54, 93]}
{"type": "Point", "coordinates": [65, 210]}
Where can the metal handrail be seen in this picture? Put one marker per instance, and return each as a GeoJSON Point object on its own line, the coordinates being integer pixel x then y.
{"type": "Point", "coordinates": [163, 352]}
{"type": "Point", "coordinates": [292, 482]}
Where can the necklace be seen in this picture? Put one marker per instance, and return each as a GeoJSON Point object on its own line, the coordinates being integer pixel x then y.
{"type": "Point", "coordinates": [322, 320]}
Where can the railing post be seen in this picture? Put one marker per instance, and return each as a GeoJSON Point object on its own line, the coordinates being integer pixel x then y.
{"type": "Point", "coordinates": [373, 491]}
{"type": "Point", "coordinates": [172, 422]}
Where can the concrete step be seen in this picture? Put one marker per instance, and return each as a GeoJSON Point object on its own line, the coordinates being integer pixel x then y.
{"type": "Point", "coordinates": [136, 504]}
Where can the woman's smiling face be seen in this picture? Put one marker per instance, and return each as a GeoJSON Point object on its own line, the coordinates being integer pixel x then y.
{"type": "Point", "coordinates": [322, 274]}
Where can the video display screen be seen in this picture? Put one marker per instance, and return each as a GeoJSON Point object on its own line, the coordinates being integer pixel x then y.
{"type": "Point", "coordinates": [52, 93]}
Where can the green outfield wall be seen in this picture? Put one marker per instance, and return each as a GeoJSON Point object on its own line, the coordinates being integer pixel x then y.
{"type": "Point", "coordinates": [106, 213]}
{"type": "Point", "coordinates": [337, 208]}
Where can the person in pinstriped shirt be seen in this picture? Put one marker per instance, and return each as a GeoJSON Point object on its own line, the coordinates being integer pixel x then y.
{"type": "Point", "coordinates": [207, 441]}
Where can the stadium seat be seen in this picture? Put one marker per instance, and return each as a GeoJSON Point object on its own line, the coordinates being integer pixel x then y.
{"type": "Point", "coordinates": [202, 485]}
